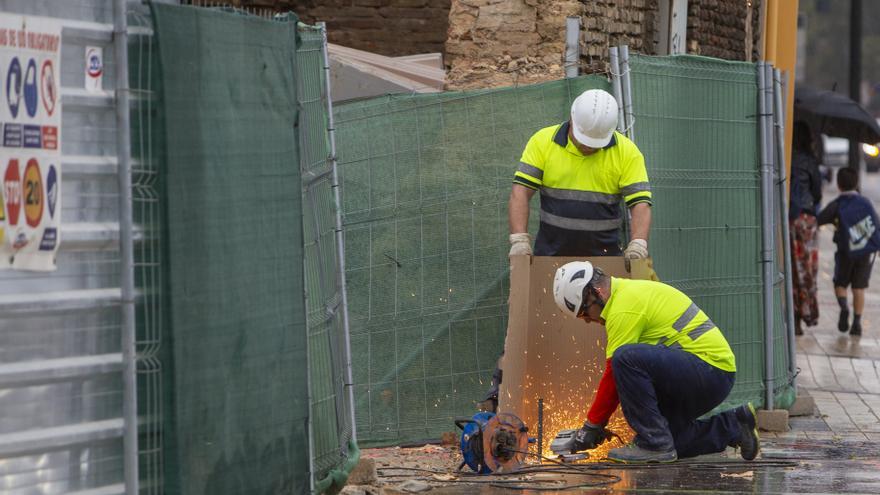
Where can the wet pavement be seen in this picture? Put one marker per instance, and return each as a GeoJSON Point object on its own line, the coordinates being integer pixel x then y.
{"type": "Point", "coordinates": [705, 475]}
{"type": "Point", "coordinates": [834, 450]}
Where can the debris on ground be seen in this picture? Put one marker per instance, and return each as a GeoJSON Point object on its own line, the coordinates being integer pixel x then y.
{"type": "Point", "coordinates": [415, 486]}
{"type": "Point", "coordinates": [404, 470]}
{"type": "Point", "coordinates": [364, 473]}
{"type": "Point", "coordinates": [746, 475]}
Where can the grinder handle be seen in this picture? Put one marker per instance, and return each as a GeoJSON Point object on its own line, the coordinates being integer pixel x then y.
{"type": "Point", "coordinates": [460, 422]}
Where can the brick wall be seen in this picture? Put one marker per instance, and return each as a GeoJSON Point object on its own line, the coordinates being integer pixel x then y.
{"type": "Point", "coordinates": [504, 42]}
{"type": "Point", "coordinates": [716, 28]}
{"type": "Point", "coordinates": [387, 27]}
{"type": "Point", "coordinates": [495, 43]}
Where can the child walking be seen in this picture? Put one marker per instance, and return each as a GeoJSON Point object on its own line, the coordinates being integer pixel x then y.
{"type": "Point", "coordinates": [857, 240]}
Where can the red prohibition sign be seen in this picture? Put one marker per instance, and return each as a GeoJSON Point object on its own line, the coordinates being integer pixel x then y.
{"type": "Point", "coordinates": [47, 79]}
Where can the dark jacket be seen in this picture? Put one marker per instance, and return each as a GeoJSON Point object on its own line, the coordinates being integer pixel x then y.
{"type": "Point", "coordinates": [806, 184]}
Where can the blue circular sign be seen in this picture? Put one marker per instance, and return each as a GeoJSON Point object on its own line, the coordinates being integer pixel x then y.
{"type": "Point", "coordinates": [52, 190]}
{"type": "Point", "coordinates": [13, 86]}
{"type": "Point", "coordinates": [30, 88]}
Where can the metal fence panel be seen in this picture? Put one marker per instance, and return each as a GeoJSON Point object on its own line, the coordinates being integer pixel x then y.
{"type": "Point", "coordinates": [332, 428]}
{"type": "Point", "coordinates": [425, 182]}
{"type": "Point", "coordinates": [697, 122]}
{"type": "Point", "coordinates": [60, 376]}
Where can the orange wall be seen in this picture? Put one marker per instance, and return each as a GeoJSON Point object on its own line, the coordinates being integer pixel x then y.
{"type": "Point", "coordinates": [780, 48]}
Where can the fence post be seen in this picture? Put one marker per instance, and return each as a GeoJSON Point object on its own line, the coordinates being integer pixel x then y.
{"type": "Point", "coordinates": [616, 86]}
{"type": "Point", "coordinates": [765, 103]}
{"type": "Point", "coordinates": [779, 115]}
{"type": "Point", "coordinates": [340, 242]}
{"type": "Point", "coordinates": [572, 46]}
{"type": "Point", "coordinates": [126, 248]}
{"type": "Point", "coordinates": [627, 92]}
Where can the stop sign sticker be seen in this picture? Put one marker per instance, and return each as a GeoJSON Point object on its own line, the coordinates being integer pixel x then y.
{"type": "Point", "coordinates": [33, 194]}
{"type": "Point", "coordinates": [12, 188]}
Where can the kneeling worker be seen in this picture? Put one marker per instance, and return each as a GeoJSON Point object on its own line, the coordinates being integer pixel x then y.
{"type": "Point", "coordinates": [667, 365]}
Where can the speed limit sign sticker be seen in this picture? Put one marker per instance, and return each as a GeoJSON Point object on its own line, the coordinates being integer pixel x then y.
{"type": "Point", "coordinates": [33, 193]}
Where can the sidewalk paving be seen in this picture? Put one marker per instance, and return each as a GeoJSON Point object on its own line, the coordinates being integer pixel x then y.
{"type": "Point", "coordinates": [841, 373]}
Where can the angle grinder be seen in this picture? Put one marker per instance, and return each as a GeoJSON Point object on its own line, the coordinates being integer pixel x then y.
{"type": "Point", "coordinates": [493, 443]}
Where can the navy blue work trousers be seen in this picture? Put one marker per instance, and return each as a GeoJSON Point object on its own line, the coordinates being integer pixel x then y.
{"type": "Point", "coordinates": [662, 393]}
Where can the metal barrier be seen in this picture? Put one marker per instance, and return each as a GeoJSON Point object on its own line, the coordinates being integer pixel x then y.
{"type": "Point", "coordinates": [63, 393]}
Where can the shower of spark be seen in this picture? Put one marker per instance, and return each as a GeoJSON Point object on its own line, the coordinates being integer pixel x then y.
{"type": "Point", "coordinates": [565, 406]}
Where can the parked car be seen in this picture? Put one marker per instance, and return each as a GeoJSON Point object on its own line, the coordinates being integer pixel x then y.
{"type": "Point", "coordinates": [837, 153]}
{"type": "Point", "coordinates": [871, 154]}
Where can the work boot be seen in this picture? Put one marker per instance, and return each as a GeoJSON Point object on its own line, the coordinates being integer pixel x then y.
{"type": "Point", "coordinates": [856, 329]}
{"type": "Point", "coordinates": [749, 442]}
{"type": "Point", "coordinates": [843, 321]}
{"type": "Point", "coordinates": [633, 454]}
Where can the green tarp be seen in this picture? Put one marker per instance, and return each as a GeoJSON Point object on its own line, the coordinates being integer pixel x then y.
{"type": "Point", "coordinates": [235, 389]}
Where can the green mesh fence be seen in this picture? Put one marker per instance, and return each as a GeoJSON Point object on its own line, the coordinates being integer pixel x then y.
{"type": "Point", "coordinates": [236, 387]}
{"type": "Point", "coordinates": [426, 180]}
{"type": "Point", "coordinates": [696, 121]}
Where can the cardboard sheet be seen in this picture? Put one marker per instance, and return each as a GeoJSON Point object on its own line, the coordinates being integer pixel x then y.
{"type": "Point", "coordinates": [549, 355]}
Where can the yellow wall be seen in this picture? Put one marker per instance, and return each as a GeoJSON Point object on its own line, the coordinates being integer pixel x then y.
{"type": "Point", "coordinates": [780, 48]}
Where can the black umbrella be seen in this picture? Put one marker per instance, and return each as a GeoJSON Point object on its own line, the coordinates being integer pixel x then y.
{"type": "Point", "coordinates": [835, 115]}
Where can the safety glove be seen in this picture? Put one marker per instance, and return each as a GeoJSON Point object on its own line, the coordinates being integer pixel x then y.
{"type": "Point", "coordinates": [636, 250]}
{"type": "Point", "coordinates": [589, 437]}
{"type": "Point", "coordinates": [520, 244]}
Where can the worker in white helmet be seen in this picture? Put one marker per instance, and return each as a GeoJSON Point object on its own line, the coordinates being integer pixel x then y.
{"type": "Point", "coordinates": [667, 365]}
{"type": "Point", "coordinates": [582, 168]}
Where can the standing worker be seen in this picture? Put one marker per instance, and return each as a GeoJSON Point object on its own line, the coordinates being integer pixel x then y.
{"type": "Point", "coordinates": [581, 167]}
{"type": "Point", "coordinates": [667, 365]}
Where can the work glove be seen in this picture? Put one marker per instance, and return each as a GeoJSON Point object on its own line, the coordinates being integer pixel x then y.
{"type": "Point", "coordinates": [520, 244]}
{"type": "Point", "coordinates": [636, 250]}
{"type": "Point", "coordinates": [589, 437]}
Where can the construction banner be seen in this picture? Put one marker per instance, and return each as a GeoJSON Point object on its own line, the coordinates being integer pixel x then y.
{"type": "Point", "coordinates": [30, 148]}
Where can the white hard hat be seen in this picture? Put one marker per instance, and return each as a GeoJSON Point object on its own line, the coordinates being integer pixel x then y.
{"type": "Point", "coordinates": [569, 283]}
{"type": "Point", "coordinates": [594, 118]}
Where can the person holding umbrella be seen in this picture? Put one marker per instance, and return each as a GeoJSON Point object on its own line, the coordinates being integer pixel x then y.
{"type": "Point", "coordinates": [805, 196]}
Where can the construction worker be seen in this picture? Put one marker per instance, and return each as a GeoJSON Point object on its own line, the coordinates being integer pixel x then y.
{"type": "Point", "coordinates": [667, 365]}
{"type": "Point", "coordinates": [582, 169]}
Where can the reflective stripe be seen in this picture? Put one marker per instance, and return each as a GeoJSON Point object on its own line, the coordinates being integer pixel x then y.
{"type": "Point", "coordinates": [662, 340]}
{"type": "Point", "coordinates": [686, 317]}
{"type": "Point", "coordinates": [639, 199]}
{"type": "Point", "coordinates": [531, 171]}
{"type": "Point", "coordinates": [676, 345]}
{"type": "Point", "coordinates": [634, 188]}
{"type": "Point", "coordinates": [580, 224]}
{"type": "Point", "coordinates": [701, 329]}
{"type": "Point", "coordinates": [519, 179]}
{"type": "Point", "coordinates": [591, 196]}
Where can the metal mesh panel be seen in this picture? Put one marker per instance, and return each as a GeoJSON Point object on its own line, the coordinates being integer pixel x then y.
{"type": "Point", "coordinates": [425, 184]}
{"type": "Point", "coordinates": [696, 122]}
{"type": "Point", "coordinates": [330, 412]}
{"type": "Point", "coordinates": [147, 155]}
